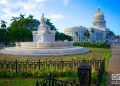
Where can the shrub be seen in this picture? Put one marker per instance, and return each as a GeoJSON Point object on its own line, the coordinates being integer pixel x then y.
{"type": "Point", "coordinates": [92, 44]}
{"type": "Point", "coordinates": [26, 74]}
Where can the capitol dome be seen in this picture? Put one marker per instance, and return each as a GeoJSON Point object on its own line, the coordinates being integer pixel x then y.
{"type": "Point", "coordinates": [99, 13]}
{"type": "Point", "coordinates": [99, 21]}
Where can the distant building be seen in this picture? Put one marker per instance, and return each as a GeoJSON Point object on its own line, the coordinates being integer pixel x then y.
{"type": "Point", "coordinates": [98, 33]}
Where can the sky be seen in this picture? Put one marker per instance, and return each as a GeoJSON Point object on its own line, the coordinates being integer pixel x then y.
{"type": "Point", "coordinates": [64, 13]}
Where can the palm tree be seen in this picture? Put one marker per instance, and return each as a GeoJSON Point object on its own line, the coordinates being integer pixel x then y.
{"type": "Point", "coordinates": [30, 16]}
{"type": "Point", "coordinates": [3, 24]}
{"type": "Point", "coordinates": [14, 18]}
{"type": "Point", "coordinates": [87, 34]}
{"type": "Point", "coordinates": [52, 27]}
{"type": "Point", "coordinates": [22, 16]}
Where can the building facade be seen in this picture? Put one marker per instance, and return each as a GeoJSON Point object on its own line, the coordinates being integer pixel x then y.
{"type": "Point", "coordinates": [98, 33]}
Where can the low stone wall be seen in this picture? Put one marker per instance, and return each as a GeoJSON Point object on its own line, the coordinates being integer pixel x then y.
{"type": "Point", "coordinates": [43, 45]}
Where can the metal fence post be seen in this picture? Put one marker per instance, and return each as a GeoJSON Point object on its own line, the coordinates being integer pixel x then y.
{"type": "Point", "coordinates": [16, 65]}
{"type": "Point", "coordinates": [39, 64]}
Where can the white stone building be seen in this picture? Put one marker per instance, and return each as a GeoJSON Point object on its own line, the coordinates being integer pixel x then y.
{"type": "Point", "coordinates": [98, 33]}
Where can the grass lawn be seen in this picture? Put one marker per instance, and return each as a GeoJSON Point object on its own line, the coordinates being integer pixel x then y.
{"type": "Point", "coordinates": [98, 53]}
{"type": "Point", "coordinates": [18, 82]}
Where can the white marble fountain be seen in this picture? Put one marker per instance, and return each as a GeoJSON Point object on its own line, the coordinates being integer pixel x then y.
{"type": "Point", "coordinates": [44, 44]}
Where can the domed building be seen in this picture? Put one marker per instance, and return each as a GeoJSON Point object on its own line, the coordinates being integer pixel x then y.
{"type": "Point", "coordinates": [98, 33]}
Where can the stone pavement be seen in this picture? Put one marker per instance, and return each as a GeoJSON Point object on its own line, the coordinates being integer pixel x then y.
{"type": "Point", "coordinates": [114, 64]}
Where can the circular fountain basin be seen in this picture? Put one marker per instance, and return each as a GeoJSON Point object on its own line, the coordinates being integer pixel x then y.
{"type": "Point", "coordinates": [53, 51]}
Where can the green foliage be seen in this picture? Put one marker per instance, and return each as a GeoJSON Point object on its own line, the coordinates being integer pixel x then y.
{"type": "Point", "coordinates": [21, 28]}
{"type": "Point", "coordinates": [52, 27]}
{"type": "Point", "coordinates": [7, 74]}
{"type": "Point", "coordinates": [19, 34]}
{"type": "Point", "coordinates": [111, 33]}
{"type": "Point", "coordinates": [104, 79]}
{"type": "Point", "coordinates": [57, 73]}
{"type": "Point", "coordinates": [3, 24]}
{"type": "Point", "coordinates": [18, 81]}
{"type": "Point", "coordinates": [26, 74]}
{"type": "Point", "coordinates": [3, 33]}
{"type": "Point", "coordinates": [61, 37]}
{"type": "Point", "coordinates": [28, 23]}
{"type": "Point", "coordinates": [92, 44]}
{"type": "Point", "coordinates": [87, 34]}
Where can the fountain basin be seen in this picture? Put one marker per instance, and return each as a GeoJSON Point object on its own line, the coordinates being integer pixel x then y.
{"type": "Point", "coordinates": [42, 44]}
{"type": "Point", "coordinates": [54, 51]}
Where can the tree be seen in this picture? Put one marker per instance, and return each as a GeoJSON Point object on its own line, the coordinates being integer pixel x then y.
{"type": "Point", "coordinates": [52, 27]}
{"type": "Point", "coordinates": [22, 16]}
{"type": "Point", "coordinates": [61, 37]}
{"type": "Point", "coordinates": [14, 19]}
{"type": "Point", "coordinates": [111, 33]}
{"type": "Point", "coordinates": [87, 34]}
{"type": "Point", "coordinates": [21, 28]}
{"type": "Point", "coordinates": [30, 16]}
{"type": "Point", "coordinates": [28, 23]}
{"type": "Point", "coordinates": [19, 34]}
{"type": "Point", "coordinates": [3, 24]}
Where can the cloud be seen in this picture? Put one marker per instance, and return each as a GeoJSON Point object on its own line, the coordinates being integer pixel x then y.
{"type": "Point", "coordinates": [9, 8]}
{"type": "Point", "coordinates": [3, 1]}
{"type": "Point", "coordinates": [41, 0]}
{"type": "Point", "coordinates": [66, 2]}
{"type": "Point", "coordinates": [56, 17]}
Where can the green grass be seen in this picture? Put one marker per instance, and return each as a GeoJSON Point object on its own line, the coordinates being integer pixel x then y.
{"type": "Point", "coordinates": [18, 81]}
{"type": "Point", "coordinates": [104, 77]}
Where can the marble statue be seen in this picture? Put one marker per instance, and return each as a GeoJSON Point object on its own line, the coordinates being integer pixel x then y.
{"type": "Point", "coordinates": [43, 34]}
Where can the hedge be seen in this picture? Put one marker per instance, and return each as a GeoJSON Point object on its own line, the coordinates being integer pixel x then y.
{"type": "Point", "coordinates": [92, 44]}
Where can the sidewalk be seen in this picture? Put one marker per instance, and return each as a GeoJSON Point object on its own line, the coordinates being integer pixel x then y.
{"type": "Point", "coordinates": [114, 64]}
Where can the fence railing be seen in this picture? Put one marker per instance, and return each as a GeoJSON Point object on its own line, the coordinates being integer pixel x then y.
{"type": "Point", "coordinates": [27, 66]}
{"type": "Point", "coordinates": [51, 81]}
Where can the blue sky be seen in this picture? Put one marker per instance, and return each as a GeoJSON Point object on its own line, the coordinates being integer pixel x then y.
{"type": "Point", "coordinates": [64, 13]}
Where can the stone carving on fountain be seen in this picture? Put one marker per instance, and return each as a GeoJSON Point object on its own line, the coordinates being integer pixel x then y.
{"type": "Point", "coordinates": [44, 34]}
{"type": "Point", "coordinates": [44, 44]}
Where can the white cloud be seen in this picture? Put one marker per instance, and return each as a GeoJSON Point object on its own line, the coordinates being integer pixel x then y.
{"type": "Point", "coordinates": [41, 0]}
{"type": "Point", "coordinates": [66, 2]}
{"type": "Point", "coordinates": [56, 17]}
{"type": "Point", "coordinates": [9, 8]}
{"type": "Point", "coordinates": [3, 1]}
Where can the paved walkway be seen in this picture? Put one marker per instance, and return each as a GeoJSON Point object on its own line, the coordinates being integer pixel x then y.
{"type": "Point", "coordinates": [114, 64]}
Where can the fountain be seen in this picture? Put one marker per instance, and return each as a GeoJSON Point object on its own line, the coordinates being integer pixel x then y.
{"type": "Point", "coordinates": [44, 44]}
